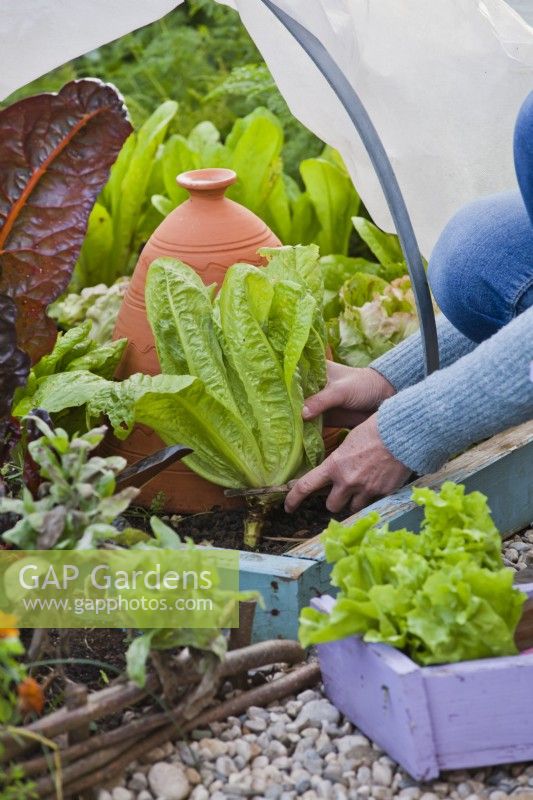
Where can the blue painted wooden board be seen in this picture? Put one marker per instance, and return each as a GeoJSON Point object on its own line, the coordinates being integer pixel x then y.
{"type": "Point", "coordinates": [501, 468]}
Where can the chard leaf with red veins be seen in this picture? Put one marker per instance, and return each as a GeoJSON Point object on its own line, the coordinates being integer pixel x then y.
{"type": "Point", "coordinates": [56, 151]}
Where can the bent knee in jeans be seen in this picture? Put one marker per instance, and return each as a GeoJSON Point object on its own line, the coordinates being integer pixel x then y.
{"type": "Point", "coordinates": [481, 269]}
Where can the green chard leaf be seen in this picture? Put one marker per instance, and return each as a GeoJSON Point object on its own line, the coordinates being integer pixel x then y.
{"type": "Point", "coordinates": [385, 246]}
{"type": "Point", "coordinates": [334, 199]}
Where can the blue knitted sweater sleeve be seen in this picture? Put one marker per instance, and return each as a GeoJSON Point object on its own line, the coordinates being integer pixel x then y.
{"type": "Point", "coordinates": [482, 391]}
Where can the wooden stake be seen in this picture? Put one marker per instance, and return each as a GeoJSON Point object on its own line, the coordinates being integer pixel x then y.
{"type": "Point", "coordinates": [76, 695]}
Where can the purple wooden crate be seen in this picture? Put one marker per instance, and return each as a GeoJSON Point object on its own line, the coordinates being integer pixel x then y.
{"type": "Point", "coordinates": [451, 716]}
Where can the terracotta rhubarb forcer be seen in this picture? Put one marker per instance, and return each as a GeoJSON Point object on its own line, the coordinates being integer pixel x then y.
{"type": "Point", "coordinates": [210, 233]}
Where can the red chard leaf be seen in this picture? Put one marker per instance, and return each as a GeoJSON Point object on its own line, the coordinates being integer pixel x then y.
{"type": "Point", "coordinates": [56, 151]}
{"type": "Point", "coordinates": [14, 363]}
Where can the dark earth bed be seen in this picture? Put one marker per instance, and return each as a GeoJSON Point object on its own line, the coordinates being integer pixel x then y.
{"type": "Point", "coordinates": [224, 527]}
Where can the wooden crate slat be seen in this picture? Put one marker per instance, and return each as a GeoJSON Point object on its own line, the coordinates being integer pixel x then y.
{"type": "Point", "coordinates": [279, 581]}
{"type": "Point", "coordinates": [382, 692]}
{"type": "Point", "coordinates": [451, 716]}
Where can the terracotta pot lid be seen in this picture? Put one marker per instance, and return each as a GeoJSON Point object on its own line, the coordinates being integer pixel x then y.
{"type": "Point", "coordinates": [206, 182]}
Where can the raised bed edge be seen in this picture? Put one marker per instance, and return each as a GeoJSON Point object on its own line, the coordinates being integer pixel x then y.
{"type": "Point", "coordinates": [500, 467]}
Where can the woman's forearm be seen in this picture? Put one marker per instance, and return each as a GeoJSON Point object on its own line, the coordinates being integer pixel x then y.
{"type": "Point", "coordinates": [484, 392]}
{"type": "Point", "coordinates": [404, 365]}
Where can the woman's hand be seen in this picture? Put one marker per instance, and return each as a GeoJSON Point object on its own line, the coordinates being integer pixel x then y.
{"type": "Point", "coordinates": [359, 471]}
{"type": "Point", "coordinates": [350, 396]}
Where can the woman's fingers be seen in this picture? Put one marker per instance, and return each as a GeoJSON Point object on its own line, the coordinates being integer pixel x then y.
{"type": "Point", "coordinates": [329, 397]}
{"type": "Point", "coordinates": [359, 470]}
{"type": "Point", "coordinates": [308, 484]}
{"type": "Point", "coordinates": [339, 497]}
{"type": "Point", "coordinates": [350, 396]}
{"type": "Point", "coordinates": [359, 501]}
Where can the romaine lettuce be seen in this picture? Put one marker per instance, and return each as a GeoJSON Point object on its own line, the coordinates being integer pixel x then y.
{"type": "Point", "coordinates": [235, 370]}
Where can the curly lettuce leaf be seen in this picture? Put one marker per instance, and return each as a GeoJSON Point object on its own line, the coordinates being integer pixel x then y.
{"type": "Point", "coordinates": [376, 316]}
{"type": "Point", "coordinates": [336, 270]}
{"type": "Point", "coordinates": [99, 303]}
{"type": "Point", "coordinates": [459, 525]}
{"type": "Point", "coordinates": [441, 596]}
{"type": "Point", "coordinates": [462, 613]}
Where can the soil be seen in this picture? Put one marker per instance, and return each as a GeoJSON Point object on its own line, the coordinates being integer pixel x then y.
{"type": "Point", "coordinates": [224, 527]}
{"type": "Point", "coordinates": [104, 647]}
{"type": "Point", "coordinates": [96, 656]}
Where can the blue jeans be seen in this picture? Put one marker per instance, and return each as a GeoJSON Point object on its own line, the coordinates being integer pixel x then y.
{"type": "Point", "coordinates": [481, 269]}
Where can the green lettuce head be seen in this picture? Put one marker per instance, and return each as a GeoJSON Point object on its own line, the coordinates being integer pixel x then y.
{"type": "Point", "coordinates": [441, 596]}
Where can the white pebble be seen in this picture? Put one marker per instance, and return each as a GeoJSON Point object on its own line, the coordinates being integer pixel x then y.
{"type": "Point", "coordinates": [244, 750]}
{"type": "Point", "coordinates": [256, 712]}
{"type": "Point", "coordinates": [381, 774]}
{"type": "Point", "coordinates": [308, 695]}
{"type": "Point", "coordinates": [122, 794]}
{"type": "Point", "coordinates": [260, 762]}
{"type": "Point", "coordinates": [168, 781]}
{"type": "Point", "coordinates": [225, 766]}
{"type": "Point", "coordinates": [211, 749]}
{"type": "Point", "coordinates": [352, 746]}
{"type": "Point", "coordinates": [381, 793]}
{"type": "Point", "coordinates": [410, 793]}
{"type": "Point", "coordinates": [315, 713]}
{"type": "Point", "coordinates": [199, 793]}
{"type": "Point", "coordinates": [256, 725]}
{"type": "Point", "coordinates": [137, 782]}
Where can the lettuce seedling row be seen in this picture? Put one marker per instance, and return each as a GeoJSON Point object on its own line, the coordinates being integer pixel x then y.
{"type": "Point", "coordinates": [500, 468]}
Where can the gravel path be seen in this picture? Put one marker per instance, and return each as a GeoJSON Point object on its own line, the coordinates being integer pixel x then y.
{"type": "Point", "coordinates": [303, 748]}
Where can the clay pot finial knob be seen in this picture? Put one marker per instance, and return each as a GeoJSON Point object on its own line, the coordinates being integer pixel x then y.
{"type": "Point", "coordinates": [206, 183]}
